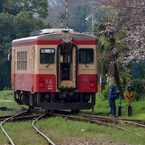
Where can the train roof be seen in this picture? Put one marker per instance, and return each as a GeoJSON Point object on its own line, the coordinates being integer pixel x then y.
{"type": "Point", "coordinates": [50, 31]}
{"type": "Point", "coordinates": [54, 34]}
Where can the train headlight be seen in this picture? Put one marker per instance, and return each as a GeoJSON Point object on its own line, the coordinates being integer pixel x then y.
{"type": "Point", "coordinates": [92, 85]}
{"type": "Point", "coordinates": [41, 85]}
{"type": "Point", "coordinates": [66, 37]}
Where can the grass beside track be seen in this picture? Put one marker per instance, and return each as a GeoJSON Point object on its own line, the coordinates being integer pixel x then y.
{"type": "Point", "coordinates": [64, 132]}
{"type": "Point", "coordinates": [138, 108]}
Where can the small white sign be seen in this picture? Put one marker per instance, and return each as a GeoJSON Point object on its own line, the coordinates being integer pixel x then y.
{"type": "Point", "coordinates": [50, 87]}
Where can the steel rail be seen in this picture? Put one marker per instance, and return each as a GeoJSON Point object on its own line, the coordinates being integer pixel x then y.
{"type": "Point", "coordinates": [23, 118]}
{"type": "Point", "coordinates": [50, 142]}
{"type": "Point", "coordinates": [113, 118]}
{"type": "Point", "coordinates": [1, 125]}
{"type": "Point", "coordinates": [136, 122]}
{"type": "Point", "coordinates": [7, 95]}
{"type": "Point", "coordinates": [87, 120]}
{"type": "Point", "coordinates": [19, 118]}
{"type": "Point", "coordinates": [92, 121]}
{"type": "Point", "coordinates": [4, 117]}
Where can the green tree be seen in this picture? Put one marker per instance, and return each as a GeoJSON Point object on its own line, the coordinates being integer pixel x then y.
{"type": "Point", "coordinates": [38, 7]}
{"type": "Point", "coordinates": [48, 25]}
{"type": "Point", "coordinates": [77, 21]}
{"type": "Point", "coordinates": [24, 23]}
{"type": "Point", "coordinates": [4, 4]}
{"type": "Point", "coordinates": [6, 36]}
{"type": "Point", "coordinates": [10, 29]}
{"type": "Point", "coordinates": [39, 24]}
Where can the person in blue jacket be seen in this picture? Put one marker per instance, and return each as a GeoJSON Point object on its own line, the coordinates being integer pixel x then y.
{"type": "Point", "coordinates": [111, 99]}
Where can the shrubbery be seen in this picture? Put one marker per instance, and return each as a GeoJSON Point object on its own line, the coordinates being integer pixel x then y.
{"type": "Point", "coordinates": [137, 86]}
{"type": "Point", "coordinates": [137, 90]}
{"type": "Point", "coordinates": [105, 92]}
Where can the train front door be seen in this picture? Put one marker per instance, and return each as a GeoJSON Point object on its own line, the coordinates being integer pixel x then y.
{"type": "Point", "coordinates": [67, 66]}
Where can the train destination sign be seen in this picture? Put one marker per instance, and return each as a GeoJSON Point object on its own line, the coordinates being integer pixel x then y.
{"type": "Point", "coordinates": [47, 50]}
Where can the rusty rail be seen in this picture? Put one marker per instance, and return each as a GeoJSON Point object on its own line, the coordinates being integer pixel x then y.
{"type": "Point", "coordinates": [7, 95]}
{"type": "Point", "coordinates": [49, 141]}
{"type": "Point", "coordinates": [5, 117]}
{"type": "Point", "coordinates": [99, 122]}
{"type": "Point", "coordinates": [116, 120]}
{"type": "Point", "coordinates": [1, 125]}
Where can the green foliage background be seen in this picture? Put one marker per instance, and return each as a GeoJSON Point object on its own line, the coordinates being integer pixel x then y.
{"type": "Point", "coordinates": [137, 88]}
{"type": "Point", "coordinates": [17, 22]}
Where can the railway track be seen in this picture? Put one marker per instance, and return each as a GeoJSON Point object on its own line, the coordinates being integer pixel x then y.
{"type": "Point", "coordinates": [115, 120]}
{"type": "Point", "coordinates": [1, 125]}
{"type": "Point", "coordinates": [19, 117]}
{"type": "Point", "coordinates": [107, 121]}
{"type": "Point", "coordinates": [33, 124]}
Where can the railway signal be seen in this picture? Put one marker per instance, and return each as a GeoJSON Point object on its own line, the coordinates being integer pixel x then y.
{"type": "Point", "coordinates": [61, 21]}
{"type": "Point", "coordinates": [129, 99]}
{"type": "Point", "coordinates": [66, 14]}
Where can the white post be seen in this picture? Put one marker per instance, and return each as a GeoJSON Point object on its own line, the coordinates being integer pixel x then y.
{"type": "Point", "coordinates": [100, 82]}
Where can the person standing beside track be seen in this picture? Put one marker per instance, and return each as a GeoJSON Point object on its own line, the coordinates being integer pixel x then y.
{"type": "Point", "coordinates": [111, 99]}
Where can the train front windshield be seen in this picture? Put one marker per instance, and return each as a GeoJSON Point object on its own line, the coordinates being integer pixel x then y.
{"type": "Point", "coordinates": [47, 55]}
{"type": "Point", "coordinates": [86, 55]}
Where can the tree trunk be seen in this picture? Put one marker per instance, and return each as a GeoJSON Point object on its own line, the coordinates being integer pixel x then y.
{"type": "Point", "coordinates": [115, 73]}
{"type": "Point", "coordinates": [117, 80]}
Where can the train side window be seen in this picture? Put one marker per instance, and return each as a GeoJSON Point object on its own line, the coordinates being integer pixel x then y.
{"type": "Point", "coordinates": [25, 61]}
{"type": "Point", "coordinates": [18, 60]}
{"type": "Point", "coordinates": [86, 55]}
{"type": "Point", "coordinates": [47, 55]}
{"type": "Point", "coordinates": [22, 60]}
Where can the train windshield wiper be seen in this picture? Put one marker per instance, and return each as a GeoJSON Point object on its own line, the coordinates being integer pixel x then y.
{"type": "Point", "coordinates": [85, 64]}
{"type": "Point", "coordinates": [49, 62]}
{"type": "Point", "coordinates": [47, 65]}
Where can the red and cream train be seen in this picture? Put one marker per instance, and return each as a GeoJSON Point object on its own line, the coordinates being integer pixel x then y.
{"type": "Point", "coordinates": [55, 69]}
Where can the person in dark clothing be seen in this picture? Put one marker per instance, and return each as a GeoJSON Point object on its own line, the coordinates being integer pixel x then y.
{"type": "Point", "coordinates": [111, 99]}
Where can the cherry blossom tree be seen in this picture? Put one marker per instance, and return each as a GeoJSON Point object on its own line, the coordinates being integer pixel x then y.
{"type": "Point", "coordinates": [125, 30]}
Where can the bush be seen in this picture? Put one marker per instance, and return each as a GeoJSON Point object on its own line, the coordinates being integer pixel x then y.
{"type": "Point", "coordinates": [137, 85]}
{"type": "Point", "coordinates": [125, 77]}
{"type": "Point", "coordinates": [136, 96]}
{"type": "Point", "coordinates": [105, 92]}
{"type": "Point", "coordinates": [137, 88]}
